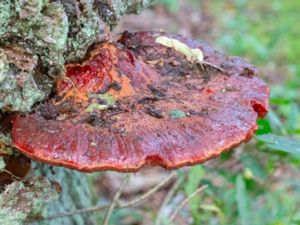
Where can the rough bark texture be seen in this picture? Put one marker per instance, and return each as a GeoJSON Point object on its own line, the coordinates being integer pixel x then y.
{"type": "Point", "coordinates": [76, 193]}
{"type": "Point", "coordinates": [25, 198]}
{"type": "Point", "coordinates": [37, 37]}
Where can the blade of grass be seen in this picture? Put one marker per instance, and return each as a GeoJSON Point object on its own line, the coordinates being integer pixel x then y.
{"type": "Point", "coordinates": [241, 198]}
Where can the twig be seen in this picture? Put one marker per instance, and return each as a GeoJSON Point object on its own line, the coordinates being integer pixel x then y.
{"type": "Point", "coordinates": [185, 201]}
{"type": "Point", "coordinates": [72, 83]}
{"type": "Point", "coordinates": [118, 205]}
{"type": "Point", "coordinates": [115, 200]}
{"type": "Point", "coordinates": [75, 212]}
{"type": "Point", "coordinates": [168, 197]}
{"type": "Point", "coordinates": [213, 66]}
{"type": "Point", "coordinates": [14, 176]}
{"type": "Point", "coordinates": [148, 193]}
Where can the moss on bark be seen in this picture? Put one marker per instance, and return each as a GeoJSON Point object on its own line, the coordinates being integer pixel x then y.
{"type": "Point", "coordinates": [77, 193]}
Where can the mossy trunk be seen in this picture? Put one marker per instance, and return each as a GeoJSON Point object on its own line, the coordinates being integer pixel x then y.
{"type": "Point", "coordinates": [77, 193]}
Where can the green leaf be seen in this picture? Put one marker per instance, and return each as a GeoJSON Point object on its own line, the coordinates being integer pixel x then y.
{"type": "Point", "coordinates": [216, 209]}
{"type": "Point", "coordinates": [275, 122]}
{"type": "Point", "coordinates": [280, 143]}
{"type": "Point", "coordinates": [108, 100]}
{"type": "Point", "coordinates": [95, 106]}
{"type": "Point", "coordinates": [194, 178]}
{"type": "Point", "coordinates": [242, 201]}
{"type": "Point", "coordinates": [176, 114]}
{"type": "Point", "coordinates": [264, 127]}
{"type": "Point", "coordinates": [249, 162]}
{"type": "Point", "coordinates": [293, 118]}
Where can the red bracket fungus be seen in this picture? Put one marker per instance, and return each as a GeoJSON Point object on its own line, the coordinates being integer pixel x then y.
{"type": "Point", "coordinates": [137, 102]}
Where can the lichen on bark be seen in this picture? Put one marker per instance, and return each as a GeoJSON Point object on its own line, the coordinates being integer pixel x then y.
{"type": "Point", "coordinates": [76, 194]}
{"type": "Point", "coordinates": [34, 31]}
{"type": "Point", "coordinates": [111, 10]}
{"type": "Point", "coordinates": [21, 200]}
{"type": "Point", "coordinates": [18, 89]}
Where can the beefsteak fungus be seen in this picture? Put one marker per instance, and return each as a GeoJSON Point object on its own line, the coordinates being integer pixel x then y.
{"type": "Point", "coordinates": [140, 101]}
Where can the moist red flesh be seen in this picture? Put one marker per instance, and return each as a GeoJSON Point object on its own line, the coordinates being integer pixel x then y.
{"type": "Point", "coordinates": [167, 111]}
{"type": "Point", "coordinates": [89, 76]}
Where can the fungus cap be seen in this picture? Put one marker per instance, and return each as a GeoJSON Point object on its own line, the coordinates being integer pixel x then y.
{"type": "Point", "coordinates": [137, 102]}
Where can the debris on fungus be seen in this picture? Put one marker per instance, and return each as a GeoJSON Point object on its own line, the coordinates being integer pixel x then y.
{"type": "Point", "coordinates": [191, 54]}
{"type": "Point", "coordinates": [138, 102]}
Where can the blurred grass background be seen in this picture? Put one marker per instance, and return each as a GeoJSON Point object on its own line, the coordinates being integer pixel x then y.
{"type": "Point", "coordinates": [258, 183]}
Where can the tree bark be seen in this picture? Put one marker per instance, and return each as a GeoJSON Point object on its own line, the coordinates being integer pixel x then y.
{"type": "Point", "coordinates": [77, 193]}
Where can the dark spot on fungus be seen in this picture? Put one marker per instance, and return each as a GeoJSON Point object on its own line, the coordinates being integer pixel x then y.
{"type": "Point", "coordinates": [116, 86]}
{"type": "Point", "coordinates": [148, 99]}
{"type": "Point", "coordinates": [94, 120]}
{"type": "Point", "coordinates": [154, 112]}
{"type": "Point", "coordinates": [156, 92]}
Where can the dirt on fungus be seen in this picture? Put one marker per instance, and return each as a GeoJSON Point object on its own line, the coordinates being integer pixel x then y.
{"type": "Point", "coordinates": [137, 102]}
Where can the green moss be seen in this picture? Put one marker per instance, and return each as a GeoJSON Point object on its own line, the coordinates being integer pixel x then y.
{"type": "Point", "coordinates": [111, 10]}
{"type": "Point", "coordinates": [39, 29]}
{"type": "Point", "coordinates": [18, 90]}
{"type": "Point", "coordinates": [5, 15]}
{"type": "Point", "coordinates": [23, 199]}
{"type": "Point", "coordinates": [45, 33]}
{"type": "Point", "coordinates": [76, 194]}
{"type": "Point", "coordinates": [30, 9]}
{"type": "Point", "coordinates": [4, 68]}
{"type": "Point", "coordinates": [5, 143]}
{"type": "Point", "coordinates": [130, 6]}
{"type": "Point", "coordinates": [85, 34]}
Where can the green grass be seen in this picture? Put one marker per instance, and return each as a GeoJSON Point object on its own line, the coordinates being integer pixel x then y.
{"type": "Point", "coordinates": [261, 185]}
{"type": "Point", "coordinates": [264, 190]}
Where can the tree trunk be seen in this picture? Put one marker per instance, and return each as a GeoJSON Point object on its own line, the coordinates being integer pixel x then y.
{"type": "Point", "coordinates": [77, 193]}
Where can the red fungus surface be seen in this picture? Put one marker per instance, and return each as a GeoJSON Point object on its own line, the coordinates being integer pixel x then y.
{"type": "Point", "coordinates": [137, 102]}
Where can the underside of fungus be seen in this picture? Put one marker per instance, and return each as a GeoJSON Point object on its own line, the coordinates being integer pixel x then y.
{"type": "Point", "coordinates": [143, 101]}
